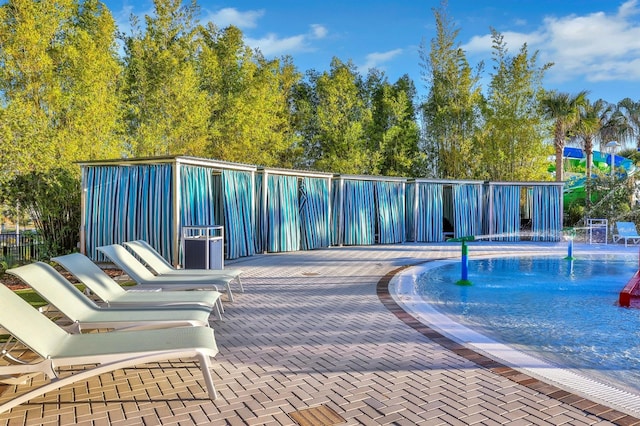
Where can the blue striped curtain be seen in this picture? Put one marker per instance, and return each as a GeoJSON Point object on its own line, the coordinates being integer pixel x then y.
{"type": "Point", "coordinates": [196, 192]}
{"type": "Point", "coordinates": [196, 198]}
{"type": "Point", "coordinates": [546, 213]}
{"type": "Point", "coordinates": [283, 214]}
{"type": "Point", "coordinates": [505, 223]}
{"type": "Point", "coordinates": [337, 236]}
{"type": "Point", "coordinates": [259, 244]}
{"type": "Point", "coordinates": [126, 203]}
{"type": "Point", "coordinates": [314, 213]}
{"type": "Point", "coordinates": [467, 201]}
{"type": "Point", "coordinates": [390, 211]}
{"type": "Point", "coordinates": [429, 222]}
{"type": "Point", "coordinates": [409, 217]}
{"type": "Point", "coordinates": [358, 212]}
{"type": "Point", "coordinates": [239, 222]}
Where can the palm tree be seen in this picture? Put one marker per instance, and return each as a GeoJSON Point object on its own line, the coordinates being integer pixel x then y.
{"type": "Point", "coordinates": [630, 110]}
{"type": "Point", "coordinates": [564, 110]}
{"type": "Point", "coordinates": [599, 120]}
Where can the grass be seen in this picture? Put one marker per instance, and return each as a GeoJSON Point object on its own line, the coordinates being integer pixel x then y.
{"type": "Point", "coordinates": [34, 299]}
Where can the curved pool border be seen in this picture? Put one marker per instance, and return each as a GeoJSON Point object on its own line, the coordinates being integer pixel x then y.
{"type": "Point", "coordinates": [601, 400]}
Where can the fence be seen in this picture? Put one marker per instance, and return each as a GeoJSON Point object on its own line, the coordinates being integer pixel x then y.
{"type": "Point", "coordinates": [19, 248]}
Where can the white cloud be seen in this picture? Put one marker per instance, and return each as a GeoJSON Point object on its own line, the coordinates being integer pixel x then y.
{"type": "Point", "coordinates": [232, 16]}
{"type": "Point", "coordinates": [375, 59]}
{"type": "Point", "coordinates": [594, 47]}
{"type": "Point", "coordinates": [318, 31]}
{"type": "Point", "coordinates": [272, 45]}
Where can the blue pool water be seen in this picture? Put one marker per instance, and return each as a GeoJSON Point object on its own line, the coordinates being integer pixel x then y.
{"type": "Point", "coordinates": [562, 311]}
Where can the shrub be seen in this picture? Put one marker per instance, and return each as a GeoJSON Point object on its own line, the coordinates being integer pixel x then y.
{"type": "Point", "coordinates": [53, 201]}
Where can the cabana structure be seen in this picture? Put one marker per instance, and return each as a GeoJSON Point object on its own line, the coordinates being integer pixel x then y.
{"type": "Point", "coordinates": [294, 210]}
{"type": "Point", "coordinates": [368, 210]}
{"type": "Point", "coordinates": [153, 198]}
{"type": "Point", "coordinates": [261, 210]}
{"type": "Point", "coordinates": [442, 209]}
{"type": "Point", "coordinates": [517, 207]}
{"type": "Point", "coordinates": [277, 210]}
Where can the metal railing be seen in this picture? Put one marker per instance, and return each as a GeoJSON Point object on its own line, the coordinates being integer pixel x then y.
{"type": "Point", "coordinates": [20, 247]}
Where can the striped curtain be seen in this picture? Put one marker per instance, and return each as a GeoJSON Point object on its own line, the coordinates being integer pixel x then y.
{"type": "Point", "coordinates": [429, 222]}
{"type": "Point", "coordinates": [409, 216]}
{"type": "Point", "coordinates": [546, 213]}
{"type": "Point", "coordinates": [239, 222]}
{"type": "Point", "coordinates": [467, 202]}
{"type": "Point", "coordinates": [315, 228]}
{"type": "Point", "coordinates": [358, 213]}
{"type": "Point", "coordinates": [196, 199]}
{"type": "Point", "coordinates": [283, 214]}
{"type": "Point", "coordinates": [127, 203]}
{"type": "Point", "coordinates": [390, 211]}
{"type": "Point", "coordinates": [505, 221]}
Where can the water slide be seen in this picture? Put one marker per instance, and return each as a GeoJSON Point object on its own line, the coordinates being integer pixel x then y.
{"type": "Point", "coordinates": [575, 169]}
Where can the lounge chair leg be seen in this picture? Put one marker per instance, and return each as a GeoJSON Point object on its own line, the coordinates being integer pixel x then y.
{"type": "Point", "coordinates": [240, 282]}
{"type": "Point", "coordinates": [205, 366]}
{"type": "Point", "coordinates": [229, 294]}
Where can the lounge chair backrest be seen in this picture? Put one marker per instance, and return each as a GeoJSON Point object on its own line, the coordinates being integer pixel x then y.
{"type": "Point", "coordinates": [150, 256]}
{"type": "Point", "coordinates": [127, 262]}
{"type": "Point", "coordinates": [626, 228]}
{"type": "Point", "coordinates": [87, 272]}
{"type": "Point", "coordinates": [28, 325]}
{"type": "Point", "coordinates": [58, 291]}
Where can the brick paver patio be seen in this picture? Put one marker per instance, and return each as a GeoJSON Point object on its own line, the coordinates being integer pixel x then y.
{"type": "Point", "coordinates": [317, 329]}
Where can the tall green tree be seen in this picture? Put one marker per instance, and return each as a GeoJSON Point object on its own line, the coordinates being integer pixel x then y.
{"type": "Point", "coordinates": [563, 109]}
{"type": "Point", "coordinates": [512, 145]}
{"type": "Point", "coordinates": [451, 110]}
{"type": "Point", "coordinates": [394, 134]}
{"type": "Point", "coordinates": [249, 100]}
{"type": "Point", "coordinates": [336, 139]}
{"type": "Point", "coordinates": [58, 84]}
{"type": "Point", "coordinates": [628, 127]}
{"type": "Point", "coordinates": [166, 110]}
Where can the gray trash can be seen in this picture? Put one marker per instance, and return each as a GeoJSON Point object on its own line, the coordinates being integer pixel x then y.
{"type": "Point", "coordinates": [203, 247]}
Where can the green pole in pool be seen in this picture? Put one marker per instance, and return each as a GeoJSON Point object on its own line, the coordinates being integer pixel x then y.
{"type": "Point", "coordinates": [464, 264]}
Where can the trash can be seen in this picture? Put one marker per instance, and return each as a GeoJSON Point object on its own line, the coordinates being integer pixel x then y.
{"type": "Point", "coordinates": [203, 247]}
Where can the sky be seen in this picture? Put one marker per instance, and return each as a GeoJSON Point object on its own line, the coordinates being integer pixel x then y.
{"type": "Point", "coordinates": [594, 44]}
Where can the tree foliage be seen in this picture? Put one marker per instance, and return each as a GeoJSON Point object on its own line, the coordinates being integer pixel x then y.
{"type": "Point", "coordinates": [166, 111]}
{"type": "Point", "coordinates": [564, 110]}
{"type": "Point", "coordinates": [249, 101]}
{"type": "Point", "coordinates": [512, 143]}
{"type": "Point", "coordinates": [59, 95]}
{"type": "Point", "coordinates": [53, 200]}
{"type": "Point", "coordinates": [394, 133]}
{"type": "Point", "coordinates": [451, 110]}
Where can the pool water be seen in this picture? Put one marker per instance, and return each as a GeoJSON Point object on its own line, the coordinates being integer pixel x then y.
{"type": "Point", "coordinates": [561, 311]}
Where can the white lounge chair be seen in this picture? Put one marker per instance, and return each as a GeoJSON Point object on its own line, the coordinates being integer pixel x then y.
{"type": "Point", "coordinates": [626, 231]}
{"type": "Point", "coordinates": [98, 352]}
{"type": "Point", "coordinates": [86, 314]}
{"type": "Point", "coordinates": [110, 292]}
{"type": "Point", "coordinates": [160, 266]}
{"type": "Point", "coordinates": [139, 273]}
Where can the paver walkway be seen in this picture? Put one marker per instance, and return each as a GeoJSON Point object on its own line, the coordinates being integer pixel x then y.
{"type": "Point", "coordinates": [311, 331]}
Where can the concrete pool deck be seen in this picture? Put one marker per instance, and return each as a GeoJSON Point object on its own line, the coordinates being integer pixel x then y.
{"type": "Point", "coordinates": [317, 333]}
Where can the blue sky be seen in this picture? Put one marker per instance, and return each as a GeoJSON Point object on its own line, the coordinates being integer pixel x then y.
{"type": "Point", "coordinates": [595, 44]}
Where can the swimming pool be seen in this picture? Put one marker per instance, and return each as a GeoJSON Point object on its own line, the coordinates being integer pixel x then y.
{"type": "Point", "coordinates": [562, 311]}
